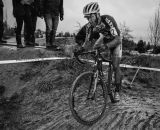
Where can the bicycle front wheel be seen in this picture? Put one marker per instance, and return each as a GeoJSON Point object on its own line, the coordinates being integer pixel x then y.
{"type": "Point", "coordinates": [87, 106]}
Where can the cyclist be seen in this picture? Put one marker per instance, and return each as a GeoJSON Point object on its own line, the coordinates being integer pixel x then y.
{"type": "Point", "coordinates": [105, 31]}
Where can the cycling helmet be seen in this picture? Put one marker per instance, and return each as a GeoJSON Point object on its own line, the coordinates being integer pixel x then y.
{"type": "Point", "coordinates": [90, 8]}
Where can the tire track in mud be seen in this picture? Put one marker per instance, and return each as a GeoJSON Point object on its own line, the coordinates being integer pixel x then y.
{"type": "Point", "coordinates": [135, 114]}
{"type": "Point", "coordinates": [132, 113]}
{"type": "Point", "coordinates": [139, 108]}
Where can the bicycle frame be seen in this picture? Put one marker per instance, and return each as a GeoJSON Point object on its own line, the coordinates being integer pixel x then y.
{"type": "Point", "coordinates": [98, 67]}
{"type": "Point", "coordinates": [98, 72]}
{"type": "Point", "coordinates": [96, 91]}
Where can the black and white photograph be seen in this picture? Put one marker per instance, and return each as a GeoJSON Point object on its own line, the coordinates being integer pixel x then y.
{"type": "Point", "coordinates": [79, 65]}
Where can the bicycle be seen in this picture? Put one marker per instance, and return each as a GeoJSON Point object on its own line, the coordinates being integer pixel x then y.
{"type": "Point", "coordinates": [95, 89]}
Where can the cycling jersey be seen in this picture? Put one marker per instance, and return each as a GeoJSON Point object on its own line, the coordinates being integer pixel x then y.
{"type": "Point", "coordinates": [107, 26]}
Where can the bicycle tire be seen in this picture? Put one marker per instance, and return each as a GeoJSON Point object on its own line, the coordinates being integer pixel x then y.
{"type": "Point", "coordinates": [72, 100]}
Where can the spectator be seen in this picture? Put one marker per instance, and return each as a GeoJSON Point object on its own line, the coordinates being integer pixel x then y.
{"type": "Point", "coordinates": [35, 12]}
{"type": "Point", "coordinates": [22, 13]}
{"type": "Point", "coordinates": [1, 22]}
{"type": "Point", "coordinates": [52, 9]}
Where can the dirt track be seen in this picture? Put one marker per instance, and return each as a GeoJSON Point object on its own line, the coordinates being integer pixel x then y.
{"type": "Point", "coordinates": [135, 111]}
{"type": "Point", "coordinates": [42, 103]}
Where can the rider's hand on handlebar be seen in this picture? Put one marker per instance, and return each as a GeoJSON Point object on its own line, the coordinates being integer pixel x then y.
{"type": "Point", "coordinates": [99, 46]}
{"type": "Point", "coordinates": [99, 43]}
{"type": "Point", "coordinates": [96, 46]}
{"type": "Point", "coordinates": [78, 49]}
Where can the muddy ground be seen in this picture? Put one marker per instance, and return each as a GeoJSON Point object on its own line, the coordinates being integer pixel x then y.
{"type": "Point", "coordinates": [36, 95]}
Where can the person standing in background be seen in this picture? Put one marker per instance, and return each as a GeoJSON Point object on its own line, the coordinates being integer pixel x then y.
{"type": "Point", "coordinates": [35, 12]}
{"type": "Point", "coordinates": [52, 9]}
{"type": "Point", "coordinates": [22, 13]}
{"type": "Point", "coordinates": [1, 22]}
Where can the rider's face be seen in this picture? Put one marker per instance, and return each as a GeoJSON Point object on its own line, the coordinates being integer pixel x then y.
{"type": "Point", "coordinates": [92, 19]}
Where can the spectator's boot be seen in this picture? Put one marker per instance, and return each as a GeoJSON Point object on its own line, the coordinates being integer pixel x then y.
{"type": "Point", "coordinates": [48, 44]}
{"type": "Point", "coordinates": [28, 40]}
{"type": "Point", "coordinates": [52, 42]}
{"type": "Point", "coordinates": [1, 33]}
{"type": "Point", "coordinates": [3, 41]}
{"type": "Point", "coordinates": [33, 41]}
{"type": "Point", "coordinates": [19, 43]}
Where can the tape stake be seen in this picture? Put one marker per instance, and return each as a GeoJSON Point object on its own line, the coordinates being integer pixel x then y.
{"type": "Point", "coordinates": [135, 76]}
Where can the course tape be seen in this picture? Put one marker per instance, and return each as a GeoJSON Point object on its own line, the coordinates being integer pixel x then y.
{"type": "Point", "coordinates": [64, 58]}
{"type": "Point", "coordinates": [130, 66]}
{"type": "Point", "coordinates": [32, 60]}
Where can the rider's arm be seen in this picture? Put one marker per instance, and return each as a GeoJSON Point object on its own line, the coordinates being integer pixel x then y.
{"type": "Point", "coordinates": [88, 36]}
{"type": "Point", "coordinates": [81, 35]}
{"type": "Point", "coordinates": [115, 25]}
{"type": "Point", "coordinates": [117, 40]}
{"type": "Point", "coordinates": [99, 42]}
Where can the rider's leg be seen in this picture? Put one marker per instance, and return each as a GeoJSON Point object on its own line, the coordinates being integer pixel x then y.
{"type": "Point", "coordinates": [117, 54]}
{"type": "Point", "coordinates": [117, 71]}
{"type": "Point", "coordinates": [116, 58]}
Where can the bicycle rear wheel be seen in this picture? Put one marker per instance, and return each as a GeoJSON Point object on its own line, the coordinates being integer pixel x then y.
{"type": "Point", "coordinates": [87, 108]}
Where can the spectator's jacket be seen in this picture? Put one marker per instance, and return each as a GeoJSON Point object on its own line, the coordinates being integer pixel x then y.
{"type": "Point", "coordinates": [107, 26]}
{"type": "Point", "coordinates": [18, 8]}
{"type": "Point", "coordinates": [35, 8]}
{"type": "Point", "coordinates": [22, 7]}
{"type": "Point", "coordinates": [1, 3]}
{"type": "Point", "coordinates": [54, 7]}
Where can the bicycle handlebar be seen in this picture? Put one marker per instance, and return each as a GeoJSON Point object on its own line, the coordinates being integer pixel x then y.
{"type": "Point", "coordinates": [93, 53]}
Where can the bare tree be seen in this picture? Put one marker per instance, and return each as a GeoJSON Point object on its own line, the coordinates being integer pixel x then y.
{"type": "Point", "coordinates": [154, 28]}
{"type": "Point", "coordinates": [125, 31]}
{"type": "Point", "coordinates": [78, 26]}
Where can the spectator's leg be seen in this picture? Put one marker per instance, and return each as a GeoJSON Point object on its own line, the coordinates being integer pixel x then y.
{"type": "Point", "coordinates": [1, 23]}
{"type": "Point", "coordinates": [25, 34]}
{"type": "Point", "coordinates": [19, 21]}
{"type": "Point", "coordinates": [55, 20]}
{"type": "Point", "coordinates": [28, 24]}
{"type": "Point", "coordinates": [1, 30]}
{"type": "Point", "coordinates": [48, 21]}
{"type": "Point", "coordinates": [34, 22]}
